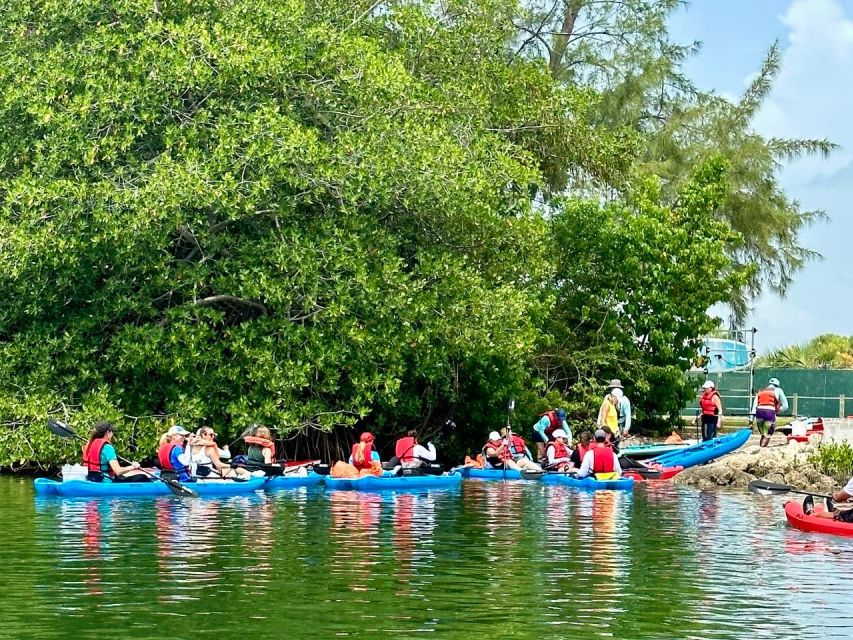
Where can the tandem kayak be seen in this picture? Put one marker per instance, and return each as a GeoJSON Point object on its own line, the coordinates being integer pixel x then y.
{"type": "Point", "coordinates": [623, 483]}
{"type": "Point", "coordinates": [644, 451]}
{"type": "Point", "coordinates": [293, 481]}
{"type": "Point", "coordinates": [86, 489]}
{"type": "Point", "coordinates": [704, 451]}
{"type": "Point", "coordinates": [811, 523]}
{"type": "Point", "coordinates": [489, 474]}
{"type": "Point", "coordinates": [394, 483]}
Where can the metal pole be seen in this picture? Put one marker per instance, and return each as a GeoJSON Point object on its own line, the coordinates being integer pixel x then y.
{"type": "Point", "coordinates": [751, 370]}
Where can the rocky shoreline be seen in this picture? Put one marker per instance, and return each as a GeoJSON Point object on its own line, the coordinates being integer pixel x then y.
{"type": "Point", "coordinates": [785, 464]}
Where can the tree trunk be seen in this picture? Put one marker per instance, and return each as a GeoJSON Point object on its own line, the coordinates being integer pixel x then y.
{"type": "Point", "coordinates": [561, 39]}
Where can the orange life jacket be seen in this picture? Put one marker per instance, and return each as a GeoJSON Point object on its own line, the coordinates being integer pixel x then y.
{"type": "Point", "coordinates": [560, 450]}
{"type": "Point", "coordinates": [405, 449]}
{"type": "Point", "coordinates": [92, 455]}
{"type": "Point", "coordinates": [706, 402]}
{"type": "Point", "coordinates": [767, 398]}
{"type": "Point", "coordinates": [263, 443]}
{"type": "Point", "coordinates": [518, 446]}
{"type": "Point", "coordinates": [582, 449]}
{"type": "Point", "coordinates": [503, 453]}
{"type": "Point", "coordinates": [367, 463]}
{"type": "Point", "coordinates": [602, 460]}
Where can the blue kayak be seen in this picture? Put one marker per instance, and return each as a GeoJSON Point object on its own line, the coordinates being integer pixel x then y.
{"type": "Point", "coordinates": [704, 451]}
{"type": "Point", "coordinates": [623, 484]}
{"type": "Point", "coordinates": [394, 483]}
{"type": "Point", "coordinates": [291, 481]}
{"type": "Point", "coordinates": [645, 451]}
{"type": "Point", "coordinates": [86, 489]}
{"type": "Point", "coordinates": [489, 474]}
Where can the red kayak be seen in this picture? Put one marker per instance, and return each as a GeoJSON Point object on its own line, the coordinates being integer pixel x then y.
{"type": "Point", "coordinates": [803, 522]}
{"type": "Point", "coordinates": [665, 473]}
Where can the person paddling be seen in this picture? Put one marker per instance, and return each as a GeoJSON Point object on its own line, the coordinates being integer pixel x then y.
{"type": "Point", "coordinates": [601, 460]}
{"type": "Point", "coordinates": [171, 455]}
{"type": "Point", "coordinates": [498, 455]}
{"type": "Point", "coordinates": [711, 407]}
{"type": "Point", "coordinates": [410, 454]}
{"type": "Point", "coordinates": [100, 458]}
{"type": "Point", "coordinates": [832, 512]}
{"type": "Point", "coordinates": [558, 452]}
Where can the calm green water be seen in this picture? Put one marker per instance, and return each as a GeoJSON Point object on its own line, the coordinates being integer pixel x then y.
{"type": "Point", "coordinates": [510, 560]}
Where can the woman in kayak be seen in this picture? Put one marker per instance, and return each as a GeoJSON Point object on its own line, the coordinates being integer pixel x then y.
{"type": "Point", "coordinates": [261, 447]}
{"type": "Point", "coordinates": [206, 457]}
{"type": "Point", "coordinates": [498, 454]}
{"type": "Point", "coordinates": [172, 456]}
{"type": "Point", "coordinates": [100, 458]}
{"type": "Point", "coordinates": [600, 461]}
{"type": "Point", "coordinates": [558, 452]}
{"type": "Point", "coordinates": [580, 449]}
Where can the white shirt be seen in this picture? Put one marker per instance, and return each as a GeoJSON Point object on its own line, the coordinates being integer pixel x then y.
{"type": "Point", "coordinates": [425, 453]}
{"type": "Point", "coordinates": [551, 459]}
{"type": "Point", "coordinates": [586, 465]}
{"type": "Point", "coordinates": [848, 488]}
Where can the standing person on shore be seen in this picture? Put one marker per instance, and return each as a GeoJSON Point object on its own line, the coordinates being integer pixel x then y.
{"type": "Point", "coordinates": [711, 407]}
{"type": "Point", "coordinates": [780, 395]}
{"type": "Point", "coordinates": [608, 412]}
{"type": "Point", "coordinates": [764, 409]}
{"type": "Point", "coordinates": [547, 424]}
{"type": "Point", "coordinates": [623, 408]}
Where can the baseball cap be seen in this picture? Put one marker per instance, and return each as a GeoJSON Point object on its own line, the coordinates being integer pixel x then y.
{"type": "Point", "coordinates": [559, 433]}
{"type": "Point", "coordinates": [600, 433]}
{"type": "Point", "coordinates": [708, 384]}
{"type": "Point", "coordinates": [177, 429]}
{"type": "Point", "coordinates": [494, 435]}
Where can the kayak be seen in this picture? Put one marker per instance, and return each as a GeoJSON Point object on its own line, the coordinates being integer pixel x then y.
{"type": "Point", "coordinates": [293, 481]}
{"type": "Point", "coordinates": [664, 473]}
{"type": "Point", "coordinates": [803, 522]}
{"type": "Point", "coordinates": [644, 451]}
{"type": "Point", "coordinates": [393, 483]}
{"type": "Point", "coordinates": [623, 483]}
{"type": "Point", "coordinates": [489, 474]}
{"type": "Point", "coordinates": [86, 489]}
{"type": "Point", "coordinates": [704, 451]}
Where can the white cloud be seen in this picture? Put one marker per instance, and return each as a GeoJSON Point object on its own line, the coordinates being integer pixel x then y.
{"type": "Point", "coordinates": [813, 94]}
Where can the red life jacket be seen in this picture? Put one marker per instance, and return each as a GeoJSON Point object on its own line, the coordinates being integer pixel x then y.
{"type": "Point", "coordinates": [367, 463]}
{"type": "Point", "coordinates": [263, 443]}
{"type": "Point", "coordinates": [92, 455]}
{"type": "Point", "coordinates": [405, 449]}
{"type": "Point", "coordinates": [556, 423]}
{"type": "Point", "coordinates": [164, 455]}
{"type": "Point", "coordinates": [518, 446]}
{"type": "Point", "coordinates": [503, 452]}
{"type": "Point", "coordinates": [706, 402]}
{"type": "Point", "coordinates": [582, 449]}
{"type": "Point", "coordinates": [560, 450]}
{"type": "Point", "coordinates": [602, 460]}
{"type": "Point", "coordinates": [767, 398]}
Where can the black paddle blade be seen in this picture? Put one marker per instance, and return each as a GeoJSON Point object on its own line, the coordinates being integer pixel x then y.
{"type": "Point", "coordinates": [179, 489]}
{"type": "Point", "coordinates": [532, 475]}
{"type": "Point", "coordinates": [769, 488]}
{"type": "Point", "coordinates": [61, 429]}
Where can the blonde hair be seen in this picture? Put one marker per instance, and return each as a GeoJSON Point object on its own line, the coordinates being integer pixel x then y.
{"type": "Point", "coordinates": [164, 439]}
{"type": "Point", "coordinates": [359, 452]}
{"type": "Point", "coordinates": [263, 432]}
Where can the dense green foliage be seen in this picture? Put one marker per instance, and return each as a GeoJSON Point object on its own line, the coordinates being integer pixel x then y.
{"type": "Point", "coordinates": [834, 460]}
{"type": "Point", "coordinates": [829, 350]}
{"type": "Point", "coordinates": [322, 214]}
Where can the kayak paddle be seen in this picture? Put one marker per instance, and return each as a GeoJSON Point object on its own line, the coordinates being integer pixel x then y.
{"type": "Point", "coordinates": [771, 488]}
{"type": "Point", "coordinates": [64, 431]}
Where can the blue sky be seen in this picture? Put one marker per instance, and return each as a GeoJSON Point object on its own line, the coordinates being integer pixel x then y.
{"type": "Point", "coordinates": [813, 97]}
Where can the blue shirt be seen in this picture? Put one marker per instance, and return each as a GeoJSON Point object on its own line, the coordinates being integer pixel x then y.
{"type": "Point", "coordinates": [373, 456]}
{"type": "Point", "coordinates": [545, 422]}
{"type": "Point", "coordinates": [181, 469]}
{"type": "Point", "coordinates": [108, 453]}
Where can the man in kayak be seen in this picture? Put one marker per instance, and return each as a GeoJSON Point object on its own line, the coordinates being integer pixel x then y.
{"type": "Point", "coordinates": [101, 460]}
{"type": "Point", "coordinates": [580, 449]}
{"type": "Point", "coordinates": [410, 454]}
{"type": "Point", "coordinates": [601, 460]}
{"type": "Point", "coordinates": [842, 515]}
{"type": "Point", "coordinates": [547, 424]}
{"type": "Point", "coordinates": [764, 409]}
{"type": "Point", "coordinates": [558, 452]}
{"type": "Point", "coordinates": [711, 408]}
{"type": "Point", "coordinates": [498, 454]}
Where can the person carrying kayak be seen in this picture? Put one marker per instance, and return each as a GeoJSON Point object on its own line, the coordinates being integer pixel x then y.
{"type": "Point", "coordinates": [558, 452]}
{"type": "Point", "coordinates": [100, 458]}
{"type": "Point", "coordinates": [711, 407]}
{"type": "Point", "coordinates": [601, 461]}
{"type": "Point", "coordinates": [833, 513]}
{"type": "Point", "coordinates": [410, 454]}
{"type": "Point", "coordinates": [764, 409]}
{"type": "Point", "coordinates": [172, 457]}
{"type": "Point", "coordinates": [547, 424]}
